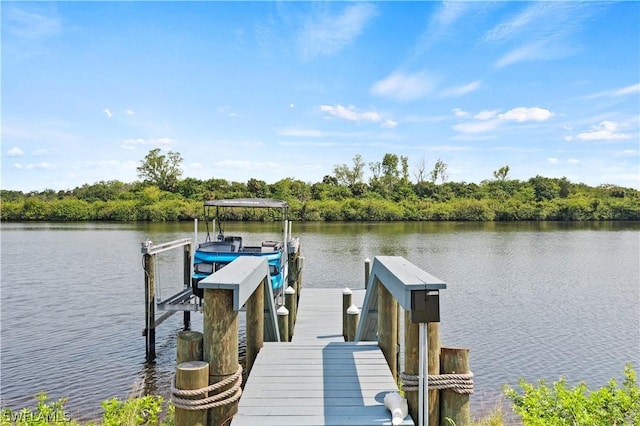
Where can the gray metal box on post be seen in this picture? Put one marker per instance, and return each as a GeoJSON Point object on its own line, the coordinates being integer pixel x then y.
{"type": "Point", "coordinates": [425, 306]}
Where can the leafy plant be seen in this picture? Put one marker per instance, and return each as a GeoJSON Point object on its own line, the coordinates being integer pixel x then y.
{"type": "Point", "coordinates": [557, 404]}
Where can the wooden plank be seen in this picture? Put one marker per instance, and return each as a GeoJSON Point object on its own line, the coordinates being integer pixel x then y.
{"type": "Point", "coordinates": [317, 379]}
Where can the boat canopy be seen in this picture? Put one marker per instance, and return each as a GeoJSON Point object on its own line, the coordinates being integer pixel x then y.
{"type": "Point", "coordinates": [248, 202]}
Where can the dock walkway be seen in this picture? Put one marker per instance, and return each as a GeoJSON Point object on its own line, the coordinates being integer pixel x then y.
{"type": "Point", "coordinates": [317, 378]}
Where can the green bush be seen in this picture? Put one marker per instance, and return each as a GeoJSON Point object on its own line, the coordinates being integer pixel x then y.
{"type": "Point", "coordinates": [557, 404]}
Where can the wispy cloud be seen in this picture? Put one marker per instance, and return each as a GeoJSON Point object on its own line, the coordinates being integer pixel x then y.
{"type": "Point", "coordinates": [541, 31]}
{"type": "Point", "coordinates": [34, 166]}
{"type": "Point", "coordinates": [488, 120]}
{"type": "Point", "coordinates": [324, 33]}
{"type": "Point", "coordinates": [27, 24]}
{"type": "Point", "coordinates": [458, 91]}
{"type": "Point", "coordinates": [133, 143]}
{"type": "Point", "coordinates": [15, 152]}
{"type": "Point", "coordinates": [404, 87]}
{"type": "Point", "coordinates": [351, 113]}
{"type": "Point", "coordinates": [618, 92]}
{"type": "Point", "coordinates": [603, 131]}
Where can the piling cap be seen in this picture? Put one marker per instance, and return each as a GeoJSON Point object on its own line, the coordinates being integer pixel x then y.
{"type": "Point", "coordinates": [290, 290]}
{"type": "Point", "coordinates": [353, 310]}
{"type": "Point", "coordinates": [282, 311]}
{"type": "Point", "coordinates": [347, 290]}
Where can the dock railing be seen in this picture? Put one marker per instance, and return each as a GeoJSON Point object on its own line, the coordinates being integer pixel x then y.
{"type": "Point", "coordinates": [181, 301]}
{"type": "Point", "coordinates": [242, 283]}
{"type": "Point", "coordinates": [395, 282]}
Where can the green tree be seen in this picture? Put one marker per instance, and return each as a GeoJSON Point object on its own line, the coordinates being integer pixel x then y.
{"type": "Point", "coordinates": [349, 176]}
{"type": "Point", "coordinates": [161, 170]}
{"type": "Point", "coordinates": [501, 173]}
{"type": "Point", "coordinates": [439, 171]}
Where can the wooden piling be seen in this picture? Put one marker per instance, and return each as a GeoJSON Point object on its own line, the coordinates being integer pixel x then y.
{"type": "Point", "coordinates": [189, 346]}
{"type": "Point", "coordinates": [455, 406]}
{"type": "Point", "coordinates": [412, 364]}
{"type": "Point", "coordinates": [290, 303]}
{"type": "Point", "coordinates": [283, 323]}
{"type": "Point", "coordinates": [388, 328]}
{"type": "Point", "coordinates": [255, 324]}
{"type": "Point", "coordinates": [192, 375]}
{"type": "Point", "coordinates": [220, 346]}
{"type": "Point", "coordinates": [353, 316]}
{"type": "Point", "coordinates": [150, 305]}
{"type": "Point", "coordinates": [433, 341]}
{"type": "Point", "coordinates": [411, 361]}
{"type": "Point", "coordinates": [347, 296]}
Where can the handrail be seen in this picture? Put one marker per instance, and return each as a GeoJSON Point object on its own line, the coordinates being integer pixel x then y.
{"type": "Point", "coordinates": [400, 277]}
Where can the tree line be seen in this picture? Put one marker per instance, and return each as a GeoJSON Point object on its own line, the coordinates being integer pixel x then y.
{"type": "Point", "coordinates": [389, 194]}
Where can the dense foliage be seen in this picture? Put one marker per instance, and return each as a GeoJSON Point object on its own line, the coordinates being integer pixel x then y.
{"type": "Point", "coordinates": [389, 195]}
{"type": "Point", "coordinates": [557, 404]}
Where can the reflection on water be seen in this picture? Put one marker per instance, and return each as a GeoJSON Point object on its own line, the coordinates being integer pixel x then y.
{"type": "Point", "coordinates": [534, 300]}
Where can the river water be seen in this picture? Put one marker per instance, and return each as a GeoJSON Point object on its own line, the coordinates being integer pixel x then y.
{"type": "Point", "coordinates": [531, 300]}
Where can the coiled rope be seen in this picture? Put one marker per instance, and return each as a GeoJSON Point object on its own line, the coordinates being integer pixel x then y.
{"type": "Point", "coordinates": [459, 383]}
{"type": "Point", "coordinates": [218, 400]}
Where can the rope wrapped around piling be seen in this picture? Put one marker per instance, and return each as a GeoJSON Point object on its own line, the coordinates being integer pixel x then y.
{"type": "Point", "coordinates": [229, 396]}
{"type": "Point", "coordinates": [459, 383]}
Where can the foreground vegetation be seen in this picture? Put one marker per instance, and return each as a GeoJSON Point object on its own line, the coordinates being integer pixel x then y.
{"type": "Point", "coordinates": [539, 404]}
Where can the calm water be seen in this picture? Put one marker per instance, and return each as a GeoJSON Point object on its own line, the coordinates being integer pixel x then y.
{"type": "Point", "coordinates": [530, 300]}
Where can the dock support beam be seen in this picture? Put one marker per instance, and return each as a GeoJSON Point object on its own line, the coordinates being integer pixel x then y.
{"type": "Point", "coordinates": [220, 346]}
{"type": "Point", "coordinates": [187, 283]}
{"type": "Point", "coordinates": [150, 305]}
{"type": "Point", "coordinates": [388, 328]}
{"type": "Point", "coordinates": [255, 324]}
{"type": "Point", "coordinates": [455, 405]}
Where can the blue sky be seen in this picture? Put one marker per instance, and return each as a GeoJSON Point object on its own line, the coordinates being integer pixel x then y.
{"type": "Point", "coordinates": [271, 90]}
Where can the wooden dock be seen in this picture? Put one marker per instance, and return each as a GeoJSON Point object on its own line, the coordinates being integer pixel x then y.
{"type": "Point", "coordinates": [318, 378]}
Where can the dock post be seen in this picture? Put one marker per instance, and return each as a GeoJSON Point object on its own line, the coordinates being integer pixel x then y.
{"type": "Point", "coordinates": [412, 365]}
{"type": "Point", "coordinates": [353, 316]}
{"type": "Point", "coordinates": [187, 283]}
{"type": "Point", "coordinates": [433, 367]}
{"type": "Point", "coordinates": [283, 323]}
{"type": "Point", "coordinates": [290, 304]}
{"type": "Point", "coordinates": [455, 405]}
{"type": "Point", "coordinates": [150, 305]}
{"type": "Point", "coordinates": [220, 347]}
{"type": "Point", "coordinates": [191, 375]}
{"type": "Point", "coordinates": [189, 346]}
{"type": "Point", "coordinates": [255, 324]}
{"type": "Point", "coordinates": [367, 272]}
{"type": "Point", "coordinates": [347, 296]}
{"type": "Point", "coordinates": [388, 327]}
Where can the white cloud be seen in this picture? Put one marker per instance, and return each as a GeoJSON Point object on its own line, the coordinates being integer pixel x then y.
{"type": "Point", "coordinates": [552, 160]}
{"type": "Point", "coordinates": [132, 143]}
{"type": "Point", "coordinates": [460, 90]}
{"type": "Point", "coordinates": [326, 34]}
{"type": "Point", "coordinates": [460, 113]}
{"type": "Point", "coordinates": [351, 113]}
{"type": "Point", "coordinates": [404, 87]}
{"type": "Point", "coordinates": [129, 112]}
{"type": "Point", "coordinates": [487, 120]}
{"type": "Point", "coordinates": [476, 126]}
{"type": "Point", "coordinates": [485, 115]}
{"type": "Point", "coordinates": [527, 114]}
{"type": "Point", "coordinates": [107, 112]}
{"type": "Point", "coordinates": [573, 161]}
{"type": "Point", "coordinates": [604, 131]}
{"type": "Point", "coordinates": [34, 166]}
{"type": "Point", "coordinates": [15, 152]}
{"type": "Point", "coordinates": [389, 124]}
